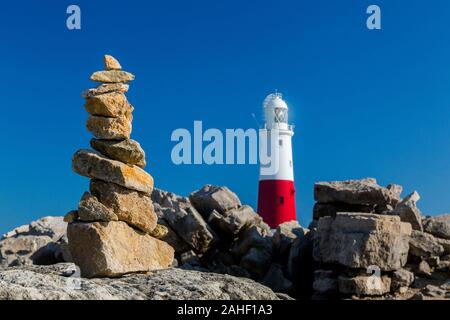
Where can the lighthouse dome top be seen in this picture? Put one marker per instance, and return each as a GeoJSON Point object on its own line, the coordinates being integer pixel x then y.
{"type": "Point", "coordinates": [274, 101]}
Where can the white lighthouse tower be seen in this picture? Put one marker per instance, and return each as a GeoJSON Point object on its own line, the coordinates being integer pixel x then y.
{"type": "Point", "coordinates": [276, 195]}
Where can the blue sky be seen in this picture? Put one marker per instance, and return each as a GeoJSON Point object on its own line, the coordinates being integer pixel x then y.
{"type": "Point", "coordinates": [365, 103]}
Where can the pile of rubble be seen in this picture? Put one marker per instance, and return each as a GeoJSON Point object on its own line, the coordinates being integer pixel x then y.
{"type": "Point", "coordinates": [370, 242]}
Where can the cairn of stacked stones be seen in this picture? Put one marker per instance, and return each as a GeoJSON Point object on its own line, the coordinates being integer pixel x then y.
{"type": "Point", "coordinates": [114, 231]}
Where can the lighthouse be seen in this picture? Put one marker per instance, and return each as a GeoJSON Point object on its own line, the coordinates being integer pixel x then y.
{"type": "Point", "coordinates": [276, 194]}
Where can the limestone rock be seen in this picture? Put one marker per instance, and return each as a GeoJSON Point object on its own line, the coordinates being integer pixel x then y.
{"type": "Point", "coordinates": [127, 151]}
{"type": "Point", "coordinates": [359, 192]}
{"type": "Point", "coordinates": [232, 221]}
{"type": "Point", "coordinates": [359, 240]}
{"type": "Point", "coordinates": [445, 244]}
{"type": "Point", "coordinates": [423, 269]}
{"type": "Point", "coordinates": [211, 198]}
{"type": "Point", "coordinates": [109, 128]}
{"type": "Point", "coordinates": [364, 285]}
{"type": "Point", "coordinates": [408, 212]}
{"type": "Point", "coordinates": [113, 104]}
{"type": "Point", "coordinates": [159, 232]}
{"type": "Point", "coordinates": [90, 209]}
{"type": "Point", "coordinates": [185, 220]}
{"type": "Point", "coordinates": [113, 249]}
{"type": "Point", "coordinates": [257, 261]}
{"type": "Point", "coordinates": [438, 226]}
{"type": "Point", "coordinates": [58, 282]}
{"type": "Point", "coordinates": [95, 166]}
{"type": "Point", "coordinates": [424, 245]}
{"type": "Point", "coordinates": [132, 207]}
{"type": "Point", "coordinates": [71, 216]}
{"type": "Point", "coordinates": [25, 250]}
{"type": "Point", "coordinates": [111, 63]}
{"type": "Point", "coordinates": [276, 280]}
{"type": "Point", "coordinates": [401, 278]}
{"type": "Point", "coordinates": [105, 88]}
{"type": "Point", "coordinates": [252, 237]}
{"type": "Point", "coordinates": [112, 76]}
{"type": "Point", "coordinates": [285, 234]}
{"type": "Point", "coordinates": [53, 227]}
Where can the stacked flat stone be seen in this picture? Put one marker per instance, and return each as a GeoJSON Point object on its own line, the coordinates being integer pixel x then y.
{"type": "Point", "coordinates": [114, 230]}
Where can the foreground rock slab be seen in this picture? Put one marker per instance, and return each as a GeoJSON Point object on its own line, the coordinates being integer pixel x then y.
{"type": "Point", "coordinates": [94, 165]}
{"type": "Point", "coordinates": [57, 282]}
{"type": "Point", "coordinates": [113, 249]}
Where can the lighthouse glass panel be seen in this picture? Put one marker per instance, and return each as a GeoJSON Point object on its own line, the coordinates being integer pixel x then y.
{"type": "Point", "coordinates": [280, 115]}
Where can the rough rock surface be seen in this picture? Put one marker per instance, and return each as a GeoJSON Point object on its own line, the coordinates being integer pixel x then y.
{"type": "Point", "coordinates": [211, 198]}
{"type": "Point", "coordinates": [133, 207]}
{"type": "Point", "coordinates": [408, 212]}
{"type": "Point", "coordinates": [185, 220]}
{"type": "Point", "coordinates": [105, 88]}
{"type": "Point", "coordinates": [112, 76]}
{"type": "Point", "coordinates": [438, 226]}
{"type": "Point", "coordinates": [35, 243]}
{"type": "Point", "coordinates": [113, 249]}
{"type": "Point", "coordinates": [361, 240]}
{"type": "Point", "coordinates": [96, 166]}
{"type": "Point", "coordinates": [90, 209]}
{"type": "Point", "coordinates": [109, 128]}
{"type": "Point", "coordinates": [58, 283]}
{"type": "Point", "coordinates": [127, 151]}
{"type": "Point", "coordinates": [359, 192]}
{"type": "Point", "coordinates": [424, 245]}
{"type": "Point", "coordinates": [364, 285]}
{"type": "Point", "coordinates": [112, 104]}
{"type": "Point", "coordinates": [111, 63]}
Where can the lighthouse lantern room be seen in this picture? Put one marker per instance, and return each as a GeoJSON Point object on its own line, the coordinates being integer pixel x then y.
{"type": "Point", "coordinates": [276, 195]}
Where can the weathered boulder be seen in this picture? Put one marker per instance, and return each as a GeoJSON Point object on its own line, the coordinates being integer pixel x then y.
{"type": "Point", "coordinates": [127, 151]}
{"type": "Point", "coordinates": [364, 285]}
{"type": "Point", "coordinates": [423, 269]}
{"type": "Point", "coordinates": [24, 250]}
{"type": "Point", "coordinates": [424, 245]}
{"type": "Point", "coordinates": [35, 243]}
{"type": "Point", "coordinates": [93, 165]}
{"type": "Point", "coordinates": [133, 207]}
{"type": "Point", "coordinates": [445, 244]}
{"type": "Point", "coordinates": [211, 198]}
{"type": "Point", "coordinates": [276, 280]}
{"type": "Point", "coordinates": [111, 63]}
{"type": "Point", "coordinates": [53, 227]}
{"type": "Point", "coordinates": [110, 128]}
{"type": "Point", "coordinates": [185, 220]}
{"type": "Point", "coordinates": [113, 104]}
{"type": "Point", "coordinates": [438, 226]}
{"type": "Point", "coordinates": [59, 282]}
{"type": "Point", "coordinates": [113, 249]}
{"type": "Point", "coordinates": [285, 234]}
{"type": "Point", "coordinates": [359, 240]}
{"type": "Point", "coordinates": [90, 209]}
{"type": "Point", "coordinates": [359, 192]}
{"type": "Point", "coordinates": [112, 76]}
{"type": "Point", "coordinates": [408, 212]}
{"type": "Point", "coordinates": [257, 262]}
{"type": "Point", "coordinates": [401, 278]}
{"type": "Point", "coordinates": [232, 221]}
{"type": "Point", "coordinates": [253, 237]}
{"type": "Point", "coordinates": [105, 88]}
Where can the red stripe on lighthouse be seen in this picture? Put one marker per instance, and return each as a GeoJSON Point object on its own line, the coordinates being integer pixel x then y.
{"type": "Point", "coordinates": [276, 201]}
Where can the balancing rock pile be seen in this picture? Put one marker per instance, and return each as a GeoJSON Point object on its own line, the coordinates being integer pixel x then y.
{"type": "Point", "coordinates": [368, 241]}
{"type": "Point", "coordinates": [113, 231]}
